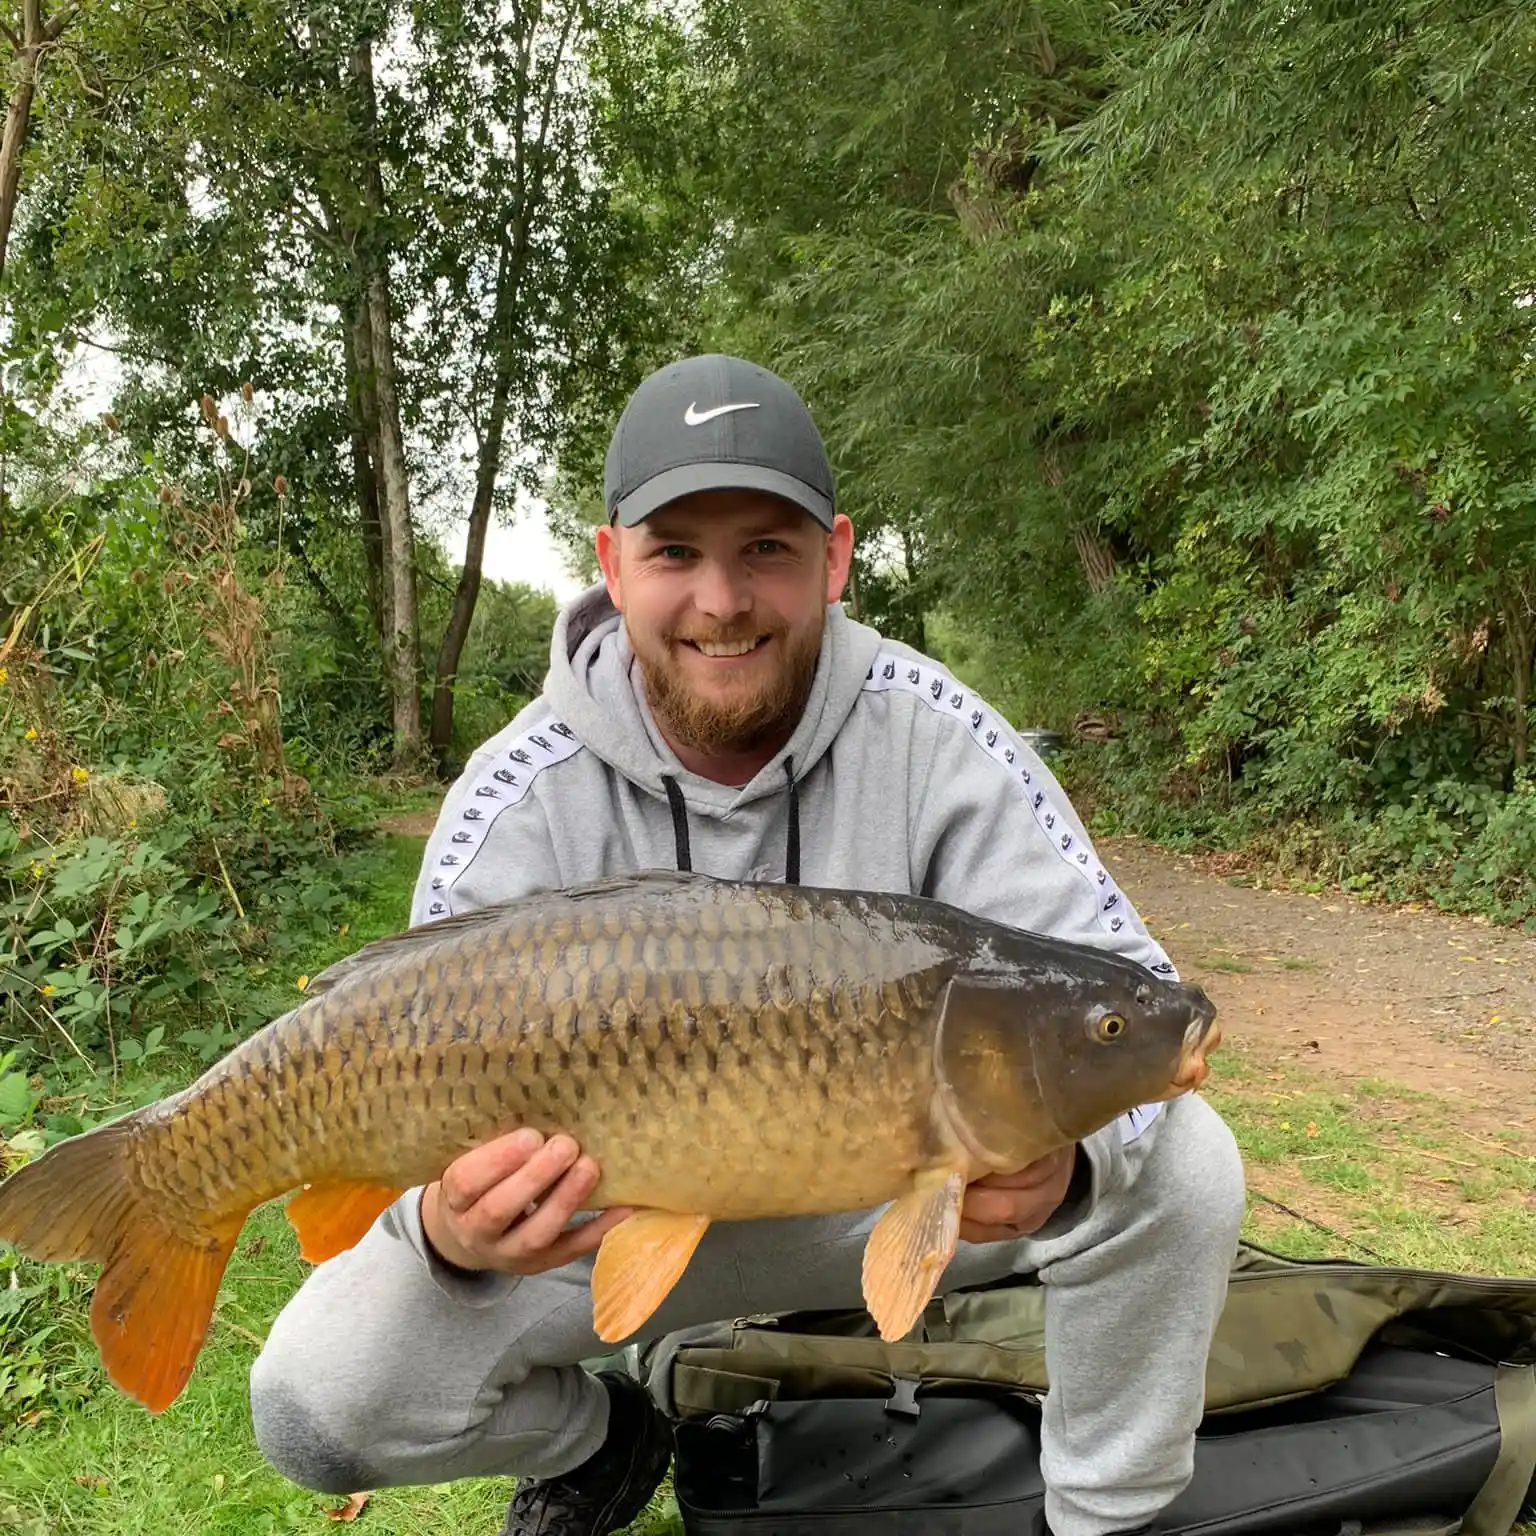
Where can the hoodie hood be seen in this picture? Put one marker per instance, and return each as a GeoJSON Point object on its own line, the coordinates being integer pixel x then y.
{"type": "Point", "coordinates": [594, 685]}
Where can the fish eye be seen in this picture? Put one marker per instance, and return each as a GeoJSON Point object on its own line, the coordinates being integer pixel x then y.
{"type": "Point", "coordinates": [1110, 1027]}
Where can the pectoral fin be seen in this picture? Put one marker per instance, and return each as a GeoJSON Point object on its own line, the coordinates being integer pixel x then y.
{"type": "Point", "coordinates": [638, 1262]}
{"type": "Point", "coordinates": [908, 1249]}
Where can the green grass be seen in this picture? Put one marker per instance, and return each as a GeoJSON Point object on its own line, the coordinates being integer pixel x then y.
{"type": "Point", "coordinates": [1376, 1171]}
{"type": "Point", "coordinates": [1228, 963]}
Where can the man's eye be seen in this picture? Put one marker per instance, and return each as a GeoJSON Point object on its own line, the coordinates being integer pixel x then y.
{"type": "Point", "coordinates": [768, 547]}
{"type": "Point", "coordinates": [674, 552]}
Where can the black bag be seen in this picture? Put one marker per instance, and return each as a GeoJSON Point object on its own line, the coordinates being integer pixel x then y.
{"type": "Point", "coordinates": [1427, 1425]}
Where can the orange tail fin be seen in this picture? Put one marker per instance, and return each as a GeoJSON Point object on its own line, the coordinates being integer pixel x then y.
{"type": "Point", "coordinates": [154, 1298]}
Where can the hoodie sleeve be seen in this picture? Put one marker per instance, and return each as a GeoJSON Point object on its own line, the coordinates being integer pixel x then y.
{"type": "Point", "coordinates": [996, 835]}
{"type": "Point", "coordinates": [491, 842]}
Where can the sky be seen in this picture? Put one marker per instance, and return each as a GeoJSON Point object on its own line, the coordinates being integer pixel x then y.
{"type": "Point", "coordinates": [522, 552]}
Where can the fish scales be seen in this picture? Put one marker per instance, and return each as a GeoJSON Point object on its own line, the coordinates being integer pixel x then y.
{"type": "Point", "coordinates": [689, 1085]}
{"type": "Point", "coordinates": [724, 1050]}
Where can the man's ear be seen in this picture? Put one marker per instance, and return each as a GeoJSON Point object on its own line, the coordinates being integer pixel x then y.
{"type": "Point", "coordinates": [607, 542]}
{"type": "Point", "coordinates": [839, 556]}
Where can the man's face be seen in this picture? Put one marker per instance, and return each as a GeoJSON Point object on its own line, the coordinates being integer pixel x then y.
{"type": "Point", "coordinates": [724, 598]}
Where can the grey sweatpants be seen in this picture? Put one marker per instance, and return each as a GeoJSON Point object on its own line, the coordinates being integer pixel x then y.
{"type": "Point", "coordinates": [384, 1370]}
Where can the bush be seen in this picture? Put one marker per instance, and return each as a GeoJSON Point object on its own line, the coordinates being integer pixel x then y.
{"type": "Point", "coordinates": [160, 854]}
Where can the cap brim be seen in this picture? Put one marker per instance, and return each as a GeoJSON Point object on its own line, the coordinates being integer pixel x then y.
{"type": "Point", "coordinates": [688, 478]}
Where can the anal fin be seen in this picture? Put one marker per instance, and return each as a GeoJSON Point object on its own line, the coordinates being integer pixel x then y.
{"type": "Point", "coordinates": [908, 1249]}
{"type": "Point", "coordinates": [332, 1216]}
{"type": "Point", "coordinates": [638, 1262]}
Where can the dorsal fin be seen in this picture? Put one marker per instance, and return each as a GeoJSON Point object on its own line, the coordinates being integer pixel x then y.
{"type": "Point", "coordinates": [424, 935]}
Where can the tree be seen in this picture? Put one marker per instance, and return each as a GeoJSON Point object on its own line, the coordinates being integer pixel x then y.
{"type": "Point", "coordinates": [31, 42]}
{"type": "Point", "coordinates": [406, 226]}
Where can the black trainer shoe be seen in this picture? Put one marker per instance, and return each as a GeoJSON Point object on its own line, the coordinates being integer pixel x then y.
{"type": "Point", "coordinates": [608, 1490]}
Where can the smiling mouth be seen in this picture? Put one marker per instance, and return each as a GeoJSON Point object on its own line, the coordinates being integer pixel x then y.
{"type": "Point", "coordinates": [727, 648]}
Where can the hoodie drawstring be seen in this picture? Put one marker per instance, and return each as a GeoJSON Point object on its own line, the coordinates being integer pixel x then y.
{"type": "Point", "coordinates": [792, 839]}
{"type": "Point", "coordinates": [679, 822]}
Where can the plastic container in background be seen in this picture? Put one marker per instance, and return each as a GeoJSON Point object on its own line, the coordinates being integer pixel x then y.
{"type": "Point", "coordinates": [1046, 743]}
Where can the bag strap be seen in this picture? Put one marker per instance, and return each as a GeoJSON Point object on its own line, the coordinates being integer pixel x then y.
{"type": "Point", "coordinates": [1497, 1506]}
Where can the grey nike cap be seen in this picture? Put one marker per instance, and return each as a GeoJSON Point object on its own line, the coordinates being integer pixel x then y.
{"type": "Point", "coordinates": [714, 423]}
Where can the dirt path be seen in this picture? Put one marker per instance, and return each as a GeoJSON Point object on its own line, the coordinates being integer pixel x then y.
{"type": "Point", "coordinates": [1349, 989]}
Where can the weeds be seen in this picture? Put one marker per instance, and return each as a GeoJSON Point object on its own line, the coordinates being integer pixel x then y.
{"type": "Point", "coordinates": [154, 858]}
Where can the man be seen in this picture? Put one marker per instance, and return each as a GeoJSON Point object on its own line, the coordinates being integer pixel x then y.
{"type": "Point", "coordinates": [711, 706]}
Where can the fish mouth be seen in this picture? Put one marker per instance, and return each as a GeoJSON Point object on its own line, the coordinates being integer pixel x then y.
{"type": "Point", "coordinates": [1201, 1038]}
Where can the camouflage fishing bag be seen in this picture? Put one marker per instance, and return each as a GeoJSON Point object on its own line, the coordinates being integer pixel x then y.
{"type": "Point", "coordinates": [1342, 1399]}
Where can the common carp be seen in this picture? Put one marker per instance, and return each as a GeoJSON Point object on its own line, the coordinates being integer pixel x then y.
{"type": "Point", "coordinates": [725, 1050]}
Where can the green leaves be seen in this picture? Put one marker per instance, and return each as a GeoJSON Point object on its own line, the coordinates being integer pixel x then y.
{"type": "Point", "coordinates": [17, 1097]}
{"type": "Point", "coordinates": [1174, 363]}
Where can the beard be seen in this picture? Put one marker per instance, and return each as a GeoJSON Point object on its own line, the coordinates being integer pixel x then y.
{"type": "Point", "coordinates": [747, 723]}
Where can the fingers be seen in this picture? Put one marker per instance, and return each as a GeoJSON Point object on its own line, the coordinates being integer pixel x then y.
{"type": "Point", "coordinates": [1037, 1175]}
{"type": "Point", "coordinates": [504, 1217]}
{"type": "Point", "coordinates": [1006, 1207]}
{"type": "Point", "coordinates": [508, 1204]}
{"type": "Point", "coordinates": [470, 1177]}
{"type": "Point", "coordinates": [978, 1232]}
{"type": "Point", "coordinates": [555, 1175]}
{"type": "Point", "coordinates": [579, 1240]}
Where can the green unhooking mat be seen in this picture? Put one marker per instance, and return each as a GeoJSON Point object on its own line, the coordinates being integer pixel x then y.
{"type": "Point", "coordinates": [1342, 1399]}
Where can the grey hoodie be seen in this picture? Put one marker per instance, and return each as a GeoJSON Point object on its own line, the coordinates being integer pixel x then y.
{"type": "Point", "coordinates": [897, 778]}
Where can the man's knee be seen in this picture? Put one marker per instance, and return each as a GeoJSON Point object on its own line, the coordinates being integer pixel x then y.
{"type": "Point", "coordinates": [1199, 1177]}
{"type": "Point", "coordinates": [297, 1437]}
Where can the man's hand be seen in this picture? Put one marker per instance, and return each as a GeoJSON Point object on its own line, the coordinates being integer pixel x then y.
{"type": "Point", "coordinates": [1003, 1207]}
{"type": "Point", "coordinates": [477, 1216]}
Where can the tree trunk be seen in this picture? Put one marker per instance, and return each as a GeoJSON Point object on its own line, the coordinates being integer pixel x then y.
{"type": "Point", "coordinates": [511, 259]}
{"type": "Point", "coordinates": [17, 115]}
{"type": "Point", "coordinates": [401, 649]}
{"type": "Point", "coordinates": [1098, 559]}
{"type": "Point", "coordinates": [467, 593]}
{"type": "Point", "coordinates": [919, 618]}
{"type": "Point", "coordinates": [1520, 660]}
{"type": "Point", "coordinates": [357, 350]}
{"type": "Point", "coordinates": [36, 36]}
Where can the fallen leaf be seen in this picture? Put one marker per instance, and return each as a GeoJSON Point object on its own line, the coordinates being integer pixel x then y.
{"type": "Point", "coordinates": [350, 1510]}
{"type": "Point", "coordinates": [90, 1480]}
{"type": "Point", "coordinates": [1311, 1127]}
{"type": "Point", "coordinates": [1285, 1125]}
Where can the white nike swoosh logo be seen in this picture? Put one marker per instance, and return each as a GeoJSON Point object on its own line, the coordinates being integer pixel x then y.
{"type": "Point", "coordinates": [696, 418]}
